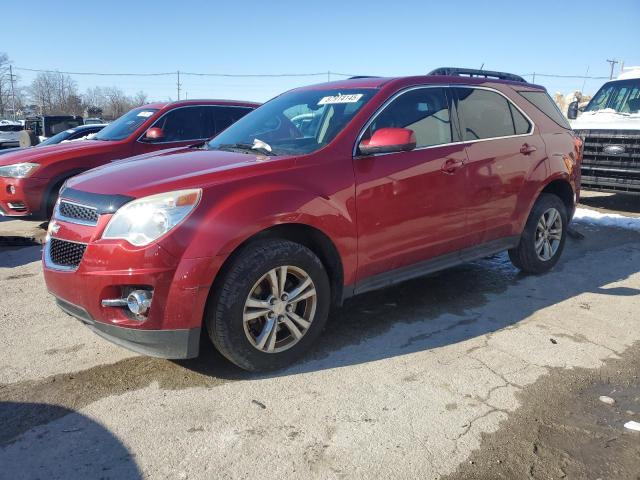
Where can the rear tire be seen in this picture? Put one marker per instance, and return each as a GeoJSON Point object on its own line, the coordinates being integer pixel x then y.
{"type": "Point", "coordinates": [544, 236]}
{"type": "Point", "coordinates": [253, 317]}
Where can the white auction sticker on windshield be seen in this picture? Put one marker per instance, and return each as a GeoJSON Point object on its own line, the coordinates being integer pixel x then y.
{"type": "Point", "coordinates": [353, 98]}
{"type": "Point", "coordinates": [145, 114]}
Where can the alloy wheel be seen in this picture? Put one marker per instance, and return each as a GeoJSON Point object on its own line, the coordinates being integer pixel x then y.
{"type": "Point", "coordinates": [279, 309]}
{"type": "Point", "coordinates": [548, 234]}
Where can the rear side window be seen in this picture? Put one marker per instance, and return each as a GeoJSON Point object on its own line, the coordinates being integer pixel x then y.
{"type": "Point", "coordinates": [543, 102]}
{"type": "Point", "coordinates": [222, 117]}
{"type": "Point", "coordinates": [423, 110]}
{"type": "Point", "coordinates": [487, 114]}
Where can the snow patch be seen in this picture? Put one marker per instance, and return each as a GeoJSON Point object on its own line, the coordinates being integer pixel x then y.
{"type": "Point", "coordinates": [593, 217]}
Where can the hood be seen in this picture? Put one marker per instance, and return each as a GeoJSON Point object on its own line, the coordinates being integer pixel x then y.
{"type": "Point", "coordinates": [174, 169]}
{"type": "Point", "coordinates": [606, 119]}
{"type": "Point", "coordinates": [53, 153]}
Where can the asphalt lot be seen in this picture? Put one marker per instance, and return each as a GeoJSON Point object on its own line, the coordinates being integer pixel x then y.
{"type": "Point", "coordinates": [477, 372]}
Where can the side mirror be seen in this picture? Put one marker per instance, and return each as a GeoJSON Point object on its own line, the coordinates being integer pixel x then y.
{"type": "Point", "coordinates": [572, 111]}
{"type": "Point", "coordinates": [154, 134]}
{"type": "Point", "coordinates": [388, 140]}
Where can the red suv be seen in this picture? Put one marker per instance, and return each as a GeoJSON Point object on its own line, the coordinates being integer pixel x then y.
{"type": "Point", "coordinates": [31, 179]}
{"type": "Point", "coordinates": [322, 193]}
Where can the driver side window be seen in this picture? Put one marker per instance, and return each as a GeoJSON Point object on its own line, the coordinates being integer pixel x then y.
{"type": "Point", "coordinates": [423, 110]}
{"type": "Point", "coordinates": [185, 123]}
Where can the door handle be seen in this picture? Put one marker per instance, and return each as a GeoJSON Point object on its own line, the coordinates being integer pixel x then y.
{"type": "Point", "coordinates": [451, 165]}
{"type": "Point", "coordinates": [527, 149]}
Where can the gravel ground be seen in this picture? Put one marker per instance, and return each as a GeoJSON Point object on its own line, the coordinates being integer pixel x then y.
{"type": "Point", "coordinates": [477, 372]}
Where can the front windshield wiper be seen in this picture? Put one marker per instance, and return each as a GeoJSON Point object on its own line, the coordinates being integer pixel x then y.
{"type": "Point", "coordinates": [244, 147]}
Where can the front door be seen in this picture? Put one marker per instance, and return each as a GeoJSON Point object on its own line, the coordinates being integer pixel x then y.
{"type": "Point", "coordinates": [411, 205]}
{"type": "Point", "coordinates": [180, 127]}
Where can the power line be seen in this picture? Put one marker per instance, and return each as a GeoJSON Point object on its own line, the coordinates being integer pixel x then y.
{"type": "Point", "coordinates": [261, 75]}
{"type": "Point", "coordinates": [97, 73]}
{"type": "Point", "coordinates": [549, 75]}
{"type": "Point", "coordinates": [196, 74]}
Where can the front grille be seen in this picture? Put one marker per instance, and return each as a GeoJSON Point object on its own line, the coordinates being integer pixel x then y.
{"type": "Point", "coordinates": [603, 171]}
{"type": "Point", "coordinates": [65, 254]}
{"type": "Point", "coordinates": [74, 211]}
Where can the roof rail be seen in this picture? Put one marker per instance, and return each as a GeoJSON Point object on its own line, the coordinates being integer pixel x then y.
{"type": "Point", "coordinates": [472, 72]}
{"type": "Point", "coordinates": [362, 76]}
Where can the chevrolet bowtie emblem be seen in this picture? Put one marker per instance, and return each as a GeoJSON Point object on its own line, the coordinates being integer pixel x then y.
{"type": "Point", "coordinates": [54, 227]}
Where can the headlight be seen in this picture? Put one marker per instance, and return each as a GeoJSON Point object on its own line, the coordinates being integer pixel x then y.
{"type": "Point", "coordinates": [142, 221]}
{"type": "Point", "coordinates": [18, 170]}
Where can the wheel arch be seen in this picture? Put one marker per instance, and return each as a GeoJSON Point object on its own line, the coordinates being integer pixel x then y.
{"type": "Point", "coordinates": [312, 238]}
{"type": "Point", "coordinates": [56, 182]}
{"type": "Point", "coordinates": [562, 188]}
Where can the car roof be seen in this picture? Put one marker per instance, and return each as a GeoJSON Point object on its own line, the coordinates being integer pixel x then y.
{"type": "Point", "coordinates": [87, 126]}
{"type": "Point", "coordinates": [378, 82]}
{"type": "Point", "coordinates": [184, 103]}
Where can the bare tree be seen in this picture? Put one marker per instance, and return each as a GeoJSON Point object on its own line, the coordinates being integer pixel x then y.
{"type": "Point", "coordinates": [6, 101]}
{"type": "Point", "coordinates": [56, 93]}
{"type": "Point", "coordinates": [140, 99]}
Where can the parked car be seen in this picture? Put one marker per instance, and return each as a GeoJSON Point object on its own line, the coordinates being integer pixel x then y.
{"type": "Point", "coordinates": [38, 129]}
{"type": "Point", "coordinates": [81, 132]}
{"type": "Point", "coordinates": [31, 179]}
{"type": "Point", "coordinates": [255, 235]}
{"type": "Point", "coordinates": [610, 128]}
{"type": "Point", "coordinates": [10, 134]}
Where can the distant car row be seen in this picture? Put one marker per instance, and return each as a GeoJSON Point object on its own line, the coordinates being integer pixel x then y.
{"type": "Point", "coordinates": [81, 132]}
{"type": "Point", "coordinates": [34, 130]}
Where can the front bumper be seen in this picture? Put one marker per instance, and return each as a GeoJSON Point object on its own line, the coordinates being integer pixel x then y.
{"type": "Point", "coordinates": [174, 344]}
{"type": "Point", "coordinates": [180, 291]}
{"type": "Point", "coordinates": [27, 198]}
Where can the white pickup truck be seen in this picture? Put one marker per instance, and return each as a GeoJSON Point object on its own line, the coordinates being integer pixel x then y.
{"type": "Point", "coordinates": [610, 129]}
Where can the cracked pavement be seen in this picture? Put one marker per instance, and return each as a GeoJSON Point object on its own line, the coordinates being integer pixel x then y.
{"type": "Point", "coordinates": [404, 383]}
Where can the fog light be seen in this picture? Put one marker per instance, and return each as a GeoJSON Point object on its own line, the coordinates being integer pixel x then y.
{"type": "Point", "coordinates": [139, 302]}
{"type": "Point", "coordinates": [11, 190]}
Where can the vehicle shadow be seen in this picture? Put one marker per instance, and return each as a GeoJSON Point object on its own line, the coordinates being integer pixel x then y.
{"type": "Point", "coordinates": [47, 441]}
{"type": "Point", "coordinates": [619, 202]}
{"type": "Point", "coordinates": [453, 306]}
{"type": "Point", "coordinates": [16, 256]}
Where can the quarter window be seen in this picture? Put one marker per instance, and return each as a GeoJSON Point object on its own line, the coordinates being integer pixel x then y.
{"type": "Point", "coordinates": [484, 114]}
{"type": "Point", "coordinates": [423, 110]}
{"type": "Point", "coordinates": [522, 125]}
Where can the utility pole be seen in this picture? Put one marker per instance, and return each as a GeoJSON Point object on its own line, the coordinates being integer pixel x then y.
{"type": "Point", "coordinates": [613, 63]}
{"type": "Point", "coordinates": [13, 92]}
{"type": "Point", "coordinates": [179, 84]}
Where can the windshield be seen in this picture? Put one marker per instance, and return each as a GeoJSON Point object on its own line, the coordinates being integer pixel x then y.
{"type": "Point", "coordinates": [294, 123]}
{"type": "Point", "coordinates": [57, 138]}
{"type": "Point", "coordinates": [622, 96]}
{"type": "Point", "coordinates": [125, 125]}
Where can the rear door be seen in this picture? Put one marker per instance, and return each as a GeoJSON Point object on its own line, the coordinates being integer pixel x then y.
{"type": "Point", "coordinates": [502, 149]}
{"type": "Point", "coordinates": [410, 205]}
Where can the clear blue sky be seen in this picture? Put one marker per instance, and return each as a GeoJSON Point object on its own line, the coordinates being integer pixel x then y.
{"type": "Point", "coordinates": [374, 37]}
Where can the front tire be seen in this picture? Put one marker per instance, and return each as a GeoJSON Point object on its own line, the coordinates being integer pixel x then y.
{"type": "Point", "coordinates": [270, 305]}
{"type": "Point", "coordinates": [544, 236]}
